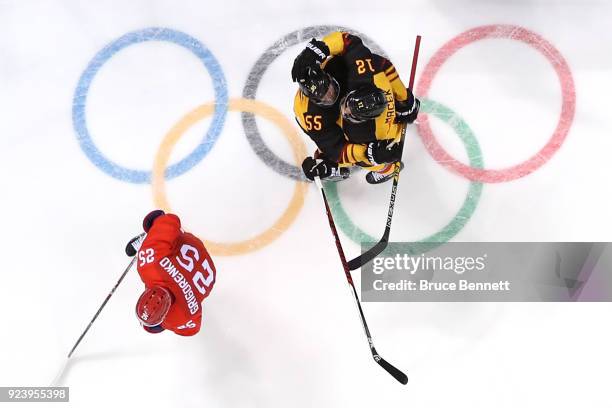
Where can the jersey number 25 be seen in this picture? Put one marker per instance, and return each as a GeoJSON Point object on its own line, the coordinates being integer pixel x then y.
{"type": "Point", "coordinates": [146, 256]}
{"type": "Point", "coordinates": [187, 258]}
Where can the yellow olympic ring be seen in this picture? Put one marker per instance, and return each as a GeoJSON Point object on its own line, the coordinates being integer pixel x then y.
{"type": "Point", "coordinates": [243, 105]}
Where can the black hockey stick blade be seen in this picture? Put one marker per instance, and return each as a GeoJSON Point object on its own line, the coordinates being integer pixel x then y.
{"type": "Point", "coordinates": [397, 374]}
{"type": "Point", "coordinates": [367, 256]}
{"type": "Point", "coordinates": [381, 245]}
{"type": "Point", "coordinates": [133, 246]}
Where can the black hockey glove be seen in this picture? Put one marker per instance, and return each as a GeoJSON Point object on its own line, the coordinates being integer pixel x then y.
{"type": "Point", "coordinates": [383, 151]}
{"type": "Point", "coordinates": [407, 111]}
{"type": "Point", "coordinates": [147, 223]}
{"type": "Point", "coordinates": [313, 55]}
{"type": "Point", "coordinates": [323, 168]}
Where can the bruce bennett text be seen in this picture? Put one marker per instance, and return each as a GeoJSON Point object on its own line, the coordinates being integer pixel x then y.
{"type": "Point", "coordinates": [424, 285]}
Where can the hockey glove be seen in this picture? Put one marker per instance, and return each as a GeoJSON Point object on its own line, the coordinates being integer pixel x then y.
{"type": "Point", "coordinates": [147, 223]}
{"type": "Point", "coordinates": [407, 111]}
{"type": "Point", "coordinates": [313, 55]}
{"type": "Point", "coordinates": [322, 168]}
{"type": "Point", "coordinates": [384, 151]}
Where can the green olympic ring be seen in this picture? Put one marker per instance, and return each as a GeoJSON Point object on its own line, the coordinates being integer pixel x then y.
{"type": "Point", "coordinates": [459, 220]}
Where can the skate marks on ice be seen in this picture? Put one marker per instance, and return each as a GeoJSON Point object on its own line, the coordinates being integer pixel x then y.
{"type": "Point", "coordinates": [461, 218]}
{"type": "Point", "coordinates": [252, 107]}
{"type": "Point", "coordinates": [67, 364]}
{"type": "Point", "coordinates": [256, 74]}
{"type": "Point", "coordinates": [568, 103]}
{"type": "Point", "coordinates": [79, 102]}
{"type": "Point", "coordinates": [474, 171]}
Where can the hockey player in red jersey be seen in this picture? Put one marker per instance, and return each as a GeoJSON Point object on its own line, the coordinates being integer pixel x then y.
{"type": "Point", "coordinates": [178, 274]}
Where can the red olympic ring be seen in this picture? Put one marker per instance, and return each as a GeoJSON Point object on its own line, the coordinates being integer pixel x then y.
{"type": "Point", "coordinates": [568, 107]}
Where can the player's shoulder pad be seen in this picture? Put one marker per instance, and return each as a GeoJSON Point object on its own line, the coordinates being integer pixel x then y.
{"type": "Point", "coordinates": [380, 63]}
{"type": "Point", "coordinates": [171, 219]}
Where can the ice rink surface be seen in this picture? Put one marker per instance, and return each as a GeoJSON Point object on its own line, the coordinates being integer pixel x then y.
{"type": "Point", "coordinates": [280, 328]}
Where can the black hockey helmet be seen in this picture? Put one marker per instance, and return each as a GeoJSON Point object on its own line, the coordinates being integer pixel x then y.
{"type": "Point", "coordinates": [315, 84]}
{"type": "Point", "coordinates": [361, 104]}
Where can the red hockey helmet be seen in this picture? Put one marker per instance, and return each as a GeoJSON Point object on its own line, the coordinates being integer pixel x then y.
{"type": "Point", "coordinates": [153, 306]}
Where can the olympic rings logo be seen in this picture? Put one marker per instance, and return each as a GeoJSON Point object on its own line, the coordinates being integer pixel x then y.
{"type": "Point", "coordinates": [250, 106]}
{"type": "Point", "coordinates": [80, 101]}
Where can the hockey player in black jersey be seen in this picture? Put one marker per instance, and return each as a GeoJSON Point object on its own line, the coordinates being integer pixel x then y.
{"type": "Point", "coordinates": [353, 105]}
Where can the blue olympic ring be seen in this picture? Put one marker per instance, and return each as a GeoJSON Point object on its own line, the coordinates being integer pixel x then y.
{"type": "Point", "coordinates": [149, 34]}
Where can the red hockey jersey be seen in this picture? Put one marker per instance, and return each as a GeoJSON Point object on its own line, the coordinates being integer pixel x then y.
{"type": "Point", "coordinates": [178, 261]}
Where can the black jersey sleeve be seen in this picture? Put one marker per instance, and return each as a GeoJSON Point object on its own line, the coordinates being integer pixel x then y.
{"type": "Point", "coordinates": [329, 140]}
{"type": "Point", "coordinates": [358, 58]}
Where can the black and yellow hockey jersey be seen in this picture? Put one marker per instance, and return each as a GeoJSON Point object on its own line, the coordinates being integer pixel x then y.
{"type": "Point", "coordinates": [352, 64]}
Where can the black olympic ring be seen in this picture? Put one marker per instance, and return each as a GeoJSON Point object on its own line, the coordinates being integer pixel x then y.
{"type": "Point", "coordinates": [252, 83]}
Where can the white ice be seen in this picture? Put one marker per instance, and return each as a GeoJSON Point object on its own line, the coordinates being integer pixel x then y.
{"type": "Point", "coordinates": [280, 328]}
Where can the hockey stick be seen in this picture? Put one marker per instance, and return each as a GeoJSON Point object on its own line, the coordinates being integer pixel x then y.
{"type": "Point", "coordinates": [380, 246]}
{"type": "Point", "coordinates": [133, 245]}
{"type": "Point", "coordinates": [397, 374]}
